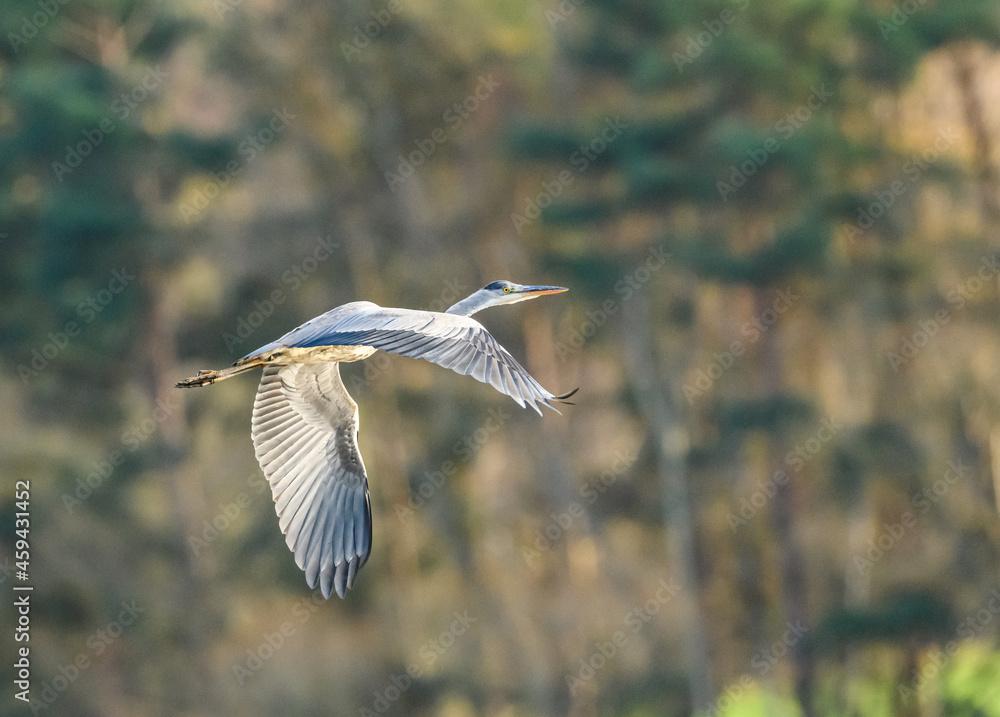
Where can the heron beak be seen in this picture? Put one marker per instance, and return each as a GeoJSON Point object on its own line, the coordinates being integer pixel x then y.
{"type": "Point", "coordinates": [530, 291]}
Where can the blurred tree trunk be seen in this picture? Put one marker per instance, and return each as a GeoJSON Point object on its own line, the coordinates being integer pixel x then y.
{"type": "Point", "coordinates": [661, 411]}
{"type": "Point", "coordinates": [792, 568]}
{"type": "Point", "coordinates": [966, 66]}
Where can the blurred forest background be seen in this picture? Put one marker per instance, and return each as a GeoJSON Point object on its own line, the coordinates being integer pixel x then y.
{"type": "Point", "coordinates": [777, 493]}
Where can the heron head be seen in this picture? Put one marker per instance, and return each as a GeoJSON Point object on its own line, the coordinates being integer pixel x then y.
{"type": "Point", "coordinates": [499, 293]}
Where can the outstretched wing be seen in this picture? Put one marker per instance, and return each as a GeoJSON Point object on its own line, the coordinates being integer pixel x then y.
{"type": "Point", "coordinates": [456, 342]}
{"type": "Point", "coordinates": [305, 429]}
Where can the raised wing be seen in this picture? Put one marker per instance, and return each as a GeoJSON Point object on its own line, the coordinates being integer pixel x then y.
{"type": "Point", "coordinates": [304, 430]}
{"type": "Point", "coordinates": [456, 342]}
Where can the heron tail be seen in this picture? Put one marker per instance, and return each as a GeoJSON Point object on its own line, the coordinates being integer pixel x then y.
{"type": "Point", "coordinates": [204, 378]}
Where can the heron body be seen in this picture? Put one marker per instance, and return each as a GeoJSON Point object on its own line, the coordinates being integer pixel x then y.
{"type": "Point", "coordinates": [305, 424]}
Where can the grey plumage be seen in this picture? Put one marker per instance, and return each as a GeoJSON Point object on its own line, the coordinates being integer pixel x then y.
{"type": "Point", "coordinates": [457, 342]}
{"type": "Point", "coordinates": [305, 429]}
{"type": "Point", "coordinates": [305, 424]}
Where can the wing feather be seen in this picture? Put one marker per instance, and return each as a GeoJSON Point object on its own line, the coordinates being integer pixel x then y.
{"type": "Point", "coordinates": [304, 431]}
{"type": "Point", "coordinates": [315, 552]}
{"type": "Point", "coordinates": [294, 504]}
{"type": "Point", "coordinates": [456, 342]}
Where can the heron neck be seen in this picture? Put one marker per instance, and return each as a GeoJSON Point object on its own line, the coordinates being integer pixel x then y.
{"type": "Point", "coordinates": [467, 306]}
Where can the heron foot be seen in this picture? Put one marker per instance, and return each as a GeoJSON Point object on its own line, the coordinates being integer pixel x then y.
{"type": "Point", "coordinates": [202, 379]}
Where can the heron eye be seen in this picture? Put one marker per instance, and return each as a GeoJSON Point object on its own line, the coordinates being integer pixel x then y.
{"type": "Point", "coordinates": [506, 290]}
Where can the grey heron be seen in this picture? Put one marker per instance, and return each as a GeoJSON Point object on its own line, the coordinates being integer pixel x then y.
{"type": "Point", "coordinates": [305, 424]}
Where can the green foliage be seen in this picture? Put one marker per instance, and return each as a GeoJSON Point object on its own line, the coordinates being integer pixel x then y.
{"type": "Point", "coordinates": [970, 684]}
{"type": "Point", "coordinates": [771, 415]}
{"type": "Point", "coordinates": [905, 617]}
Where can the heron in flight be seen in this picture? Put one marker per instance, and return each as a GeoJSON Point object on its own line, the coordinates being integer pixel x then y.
{"type": "Point", "coordinates": [305, 424]}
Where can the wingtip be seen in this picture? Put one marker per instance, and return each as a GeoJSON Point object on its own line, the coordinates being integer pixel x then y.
{"type": "Point", "coordinates": [340, 579]}
{"type": "Point", "coordinates": [326, 585]}
{"type": "Point", "coordinates": [547, 402]}
{"type": "Point", "coordinates": [562, 398]}
{"type": "Point", "coordinates": [332, 580]}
